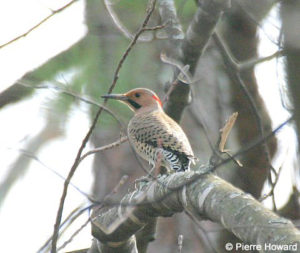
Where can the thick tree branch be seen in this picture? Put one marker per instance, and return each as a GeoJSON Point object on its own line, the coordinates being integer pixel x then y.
{"type": "Point", "coordinates": [173, 29]}
{"type": "Point", "coordinates": [209, 197]}
{"type": "Point", "coordinates": [197, 36]}
{"type": "Point", "coordinates": [201, 29]}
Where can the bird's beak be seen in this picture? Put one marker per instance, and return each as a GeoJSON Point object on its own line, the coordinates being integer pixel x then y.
{"type": "Point", "coordinates": [116, 96]}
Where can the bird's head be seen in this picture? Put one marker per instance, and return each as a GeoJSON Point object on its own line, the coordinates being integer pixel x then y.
{"type": "Point", "coordinates": [139, 100]}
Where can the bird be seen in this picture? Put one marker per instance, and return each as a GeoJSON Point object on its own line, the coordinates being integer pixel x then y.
{"type": "Point", "coordinates": [155, 136]}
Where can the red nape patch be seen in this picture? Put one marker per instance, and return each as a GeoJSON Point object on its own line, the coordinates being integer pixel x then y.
{"type": "Point", "coordinates": [157, 99]}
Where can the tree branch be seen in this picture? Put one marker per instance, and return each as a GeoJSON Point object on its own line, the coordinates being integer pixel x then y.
{"type": "Point", "coordinates": [122, 28]}
{"type": "Point", "coordinates": [246, 65]}
{"type": "Point", "coordinates": [173, 29]}
{"type": "Point", "coordinates": [197, 36]}
{"type": "Point", "coordinates": [201, 29]}
{"type": "Point", "coordinates": [209, 197]}
{"type": "Point", "coordinates": [40, 23]}
{"type": "Point", "coordinates": [105, 147]}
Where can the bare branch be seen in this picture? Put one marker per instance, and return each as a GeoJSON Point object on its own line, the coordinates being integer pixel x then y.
{"type": "Point", "coordinates": [108, 146]}
{"type": "Point", "coordinates": [251, 63]}
{"type": "Point", "coordinates": [154, 28]}
{"type": "Point", "coordinates": [201, 29]}
{"type": "Point", "coordinates": [197, 36]}
{"type": "Point", "coordinates": [199, 198]}
{"type": "Point", "coordinates": [34, 157]}
{"type": "Point", "coordinates": [71, 218]}
{"type": "Point", "coordinates": [271, 192]}
{"type": "Point", "coordinates": [200, 121]}
{"type": "Point", "coordinates": [75, 213]}
{"type": "Point", "coordinates": [74, 234]}
{"type": "Point", "coordinates": [183, 70]}
{"type": "Point", "coordinates": [175, 35]}
{"type": "Point", "coordinates": [40, 23]}
{"type": "Point", "coordinates": [167, 11]}
{"type": "Point", "coordinates": [220, 146]}
{"type": "Point", "coordinates": [122, 28]}
{"type": "Point", "coordinates": [114, 191]}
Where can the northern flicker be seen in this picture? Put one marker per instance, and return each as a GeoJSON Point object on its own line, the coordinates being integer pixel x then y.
{"type": "Point", "coordinates": [154, 135]}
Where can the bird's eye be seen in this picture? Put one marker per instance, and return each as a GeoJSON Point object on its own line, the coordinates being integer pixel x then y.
{"type": "Point", "coordinates": [137, 95]}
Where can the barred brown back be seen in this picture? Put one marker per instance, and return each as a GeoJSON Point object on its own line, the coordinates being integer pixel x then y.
{"type": "Point", "coordinates": [155, 132]}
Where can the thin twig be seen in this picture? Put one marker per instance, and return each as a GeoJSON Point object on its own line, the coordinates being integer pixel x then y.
{"type": "Point", "coordinates": [39, 23]}
{"type": "Point", "coordinates": [122, 28]}
{"type": "Point", "coordinates": [98, 204]}
{"type": "Point", "coordinates": [89, 133]}
{"type": "Point", "coordinates": [200, 121]}
{"type": "Point", "coordinates": [271, 192]}
{"type": "Point", "coordinates": [74, 213]}
{"type": "Point", "coordinates": [108, 146]}
{"type": "Point", "coordinates": [246, 65]}
{"type": "Point", "coordinates": [74, 234]}
{"type": "Point", "coordinates": [34, 157]}
{"type": "Point", "coordinates": [122, 181]}
{"type": "Point", "coordinates": [225, 131]}
{"type": "Point", "coordinates": [179, 66]}
{"type": "Point", "coordinates": [254, 21]}
{"type": "Point", "coordinates": [155, 28]}
{"type": "Point", "coordinates": [220, 145]}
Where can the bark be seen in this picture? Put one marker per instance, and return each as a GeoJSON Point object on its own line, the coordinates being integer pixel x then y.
{"type": "Point", "coordinates": [197, 36]}
{"type": "Point", "coordinates": [208, 196]}
{"type": "Point", "coordinates": [173, 29]}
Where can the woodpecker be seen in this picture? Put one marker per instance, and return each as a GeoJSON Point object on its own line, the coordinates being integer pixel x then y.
{"type": "Point", "coordinates": [154, 135]}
